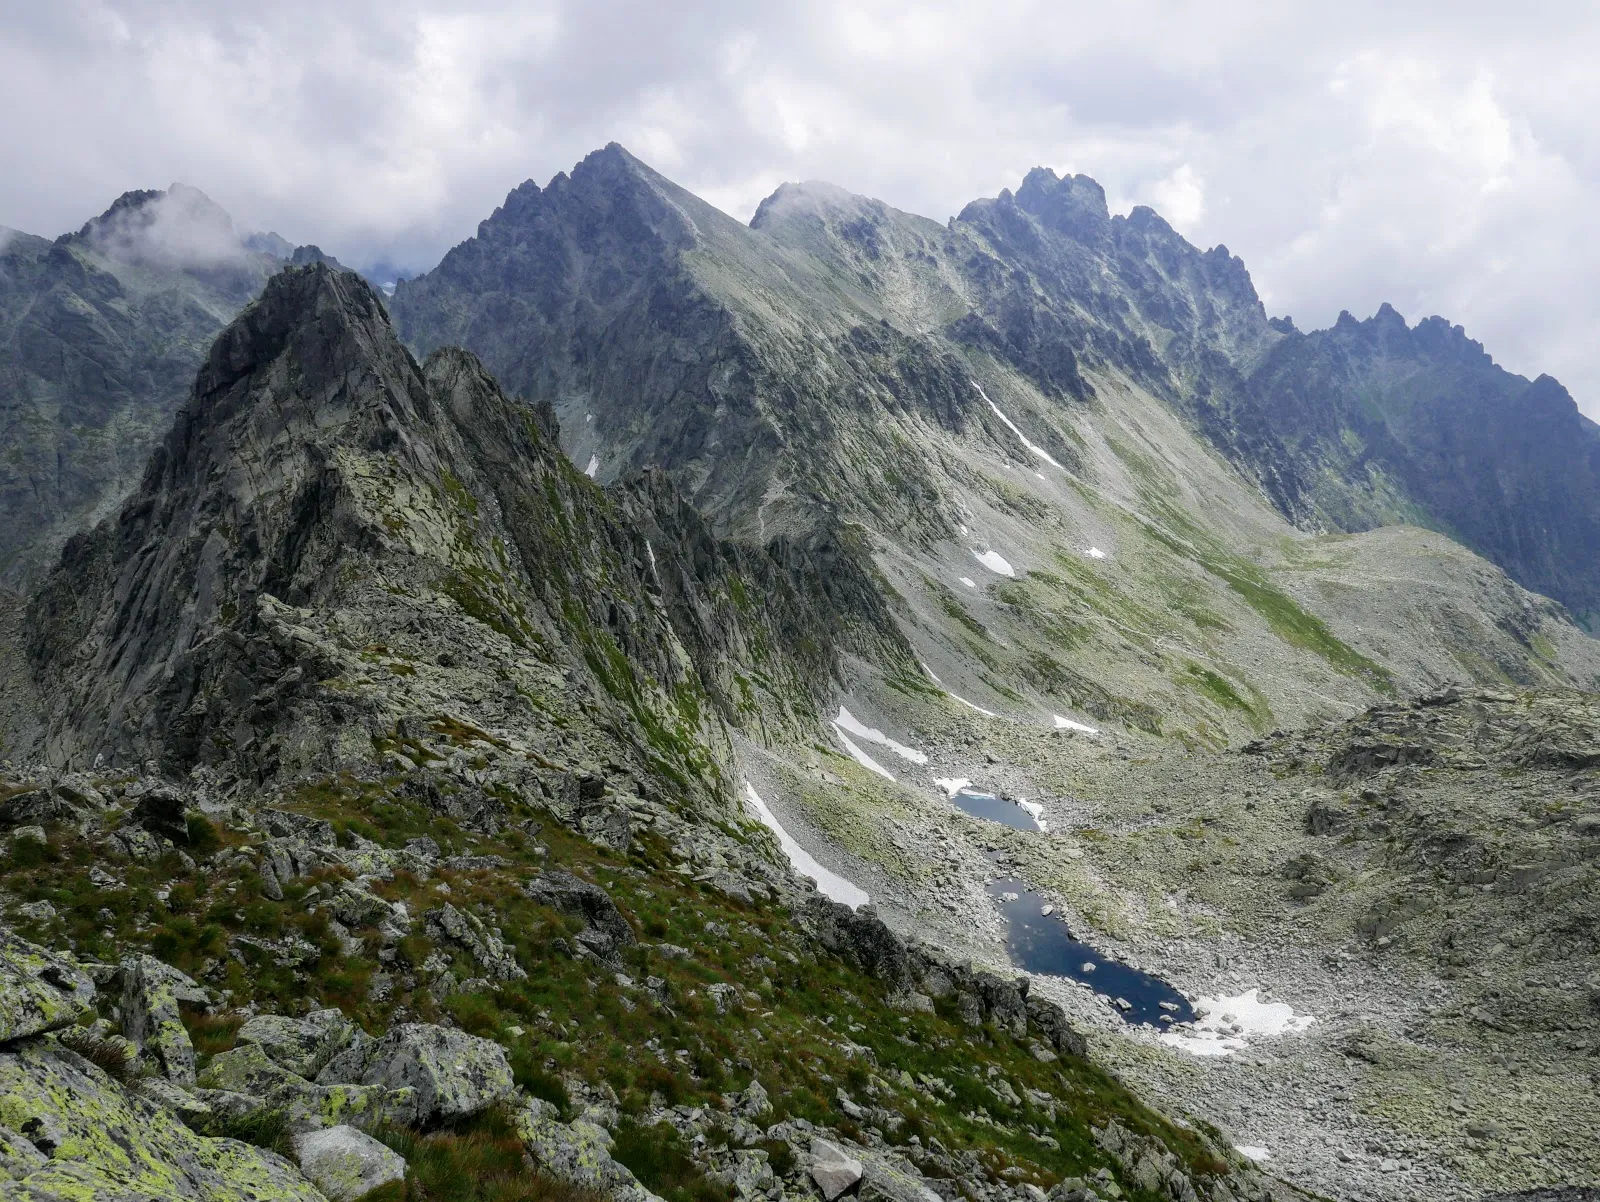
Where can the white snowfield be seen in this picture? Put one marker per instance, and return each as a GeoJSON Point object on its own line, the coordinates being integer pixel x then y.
{"type": "Point", "coordinates": [831, 884]}
{"type": "Point", "coordinates": [951, 784]}
{"type": "Point", "coordinates": [848, 721]}
{"type": "Point", "coordinates": [995, 562]}
{"type": "Point", "coordinates": [1095, 553]}
{"type": "Point", "coordinates": [1035, 811]}
{"type": "Point", "coordinates": [1226, 1024]}
{"type": "Point", "coordinates": [594, 466]}
{"type": "Point", "coordinates": [969, 582]}
{"type": "Point", "coordinates": [1069, 724]}
{"type": "Point", "coordinates": [860, 757]}
{"type": "Point", "coordinates": [1254, 1151]}
{"type": "Point", "coordinates": [1034, 447]}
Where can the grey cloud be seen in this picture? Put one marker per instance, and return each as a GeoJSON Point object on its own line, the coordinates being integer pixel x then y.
{"type": "Point", "coordinates": [1439, 156]}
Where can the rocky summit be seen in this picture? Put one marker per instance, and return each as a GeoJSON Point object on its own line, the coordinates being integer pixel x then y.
{"type": "Point", "coordinates": [842, 706]}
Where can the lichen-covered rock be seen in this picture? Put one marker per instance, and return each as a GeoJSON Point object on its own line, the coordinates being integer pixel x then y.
{"type": "Point", "coordinates": [301, 1045]}
{"type": "Point", "coordinates": [246, 1071]}
{"type": "Point", "coordinates": [578, 1153]}
{"type": "Point", "coordinates": [468, 932]}
{"type": "Point", "coordinates": [151, 1019]}
{"type": "Point", "coordinates": [103, 1142]}
{"type": "Point", "coordinates": [18, 1156]}
{"type": "Point", "coordinates": [346, 1163]}
{"type": "Point", "coordinates": [39, 991]}
{"type": "Point", "coordinates": [451, 1073]}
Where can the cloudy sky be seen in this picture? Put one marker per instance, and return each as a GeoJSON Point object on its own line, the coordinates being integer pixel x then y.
{"type": "Point", "coordinates": [1443, 157]}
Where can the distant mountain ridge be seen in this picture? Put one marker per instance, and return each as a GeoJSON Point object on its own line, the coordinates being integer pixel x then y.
{"type": "Point", "coordinates": [1049, 423]}
{"type": "Point", "coordinates": [1344, 429]}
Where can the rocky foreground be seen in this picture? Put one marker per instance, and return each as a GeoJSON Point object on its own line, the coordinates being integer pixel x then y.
{"type": "Point", "coordinates": [361, 1008]}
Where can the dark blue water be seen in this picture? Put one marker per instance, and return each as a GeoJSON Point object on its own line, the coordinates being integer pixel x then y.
{"type": "Point", "coordinates": [995, 809]}
{"type": "Point", "coordinates": [1040, 943]}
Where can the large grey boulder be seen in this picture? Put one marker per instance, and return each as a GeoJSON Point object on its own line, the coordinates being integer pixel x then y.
{"type": "Point", "coordinates": [151, 1019]}
{"type": "Point", "coordinates": [39, 991]}
{"type": "Point", "coordinates": [244, 1080]}
{"type": "Point", "coordinates": [91, 1138]}
{"type": "Point", "coordinates": [345, 1163]}
{"type": "Point", "coordinates": [586, 902]}
{"type": "Point", "coordinates": [450, 1072]}
{"type": "Point", "coordinates": [301, 1045]}
{"type": "Point", "coordinates": [833, 1169]}
{"type": "Point", "coordinates": [578, 1153]}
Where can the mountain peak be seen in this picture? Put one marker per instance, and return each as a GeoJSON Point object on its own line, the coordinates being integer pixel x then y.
{"type": "Point", "coordinates": [181, 228]}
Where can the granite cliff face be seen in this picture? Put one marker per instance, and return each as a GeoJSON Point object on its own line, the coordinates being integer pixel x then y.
{"type": "Point", "coordinates": [1038, 419]}
{"type": "Point", "coordinates": [317, 468]}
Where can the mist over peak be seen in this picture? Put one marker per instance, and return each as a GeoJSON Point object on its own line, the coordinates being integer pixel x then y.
{"type": "Point", "coordinates": [181, 228]}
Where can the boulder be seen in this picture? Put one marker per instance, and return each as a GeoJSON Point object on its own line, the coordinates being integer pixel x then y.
{"type": "Point", "coordinates": [98, 1140]}
{"type": "Point", "coordinates": [37, 807]}
{"type": "Point", "coordinates": [861, 939]}
{"type": "Point", "coordinates": [163, 811]}
{"type": "Point", "coordinates": [578, 1153]}
{"type": "Point", "coordinates": [301, 1045]}
{"type": "Point", "coordinates": [246, 1072]}
{"type": "Point", "coordinates": [345, 1163]}
{"type": "Point", "coordinates": [469, 933]}
{"type": "Point", "coordinates": [834, 1170]}
{"type": "Point", "coordinates": [450, 1072]}
{"type": "Point", "coordinates": [39, 991]}
{"type": "Point", "coordinates": [1050, 1021]}
{"type": "Point", "coordinates": [586, 902]}
{"type": "Point", "coordinates": [151, 1019]}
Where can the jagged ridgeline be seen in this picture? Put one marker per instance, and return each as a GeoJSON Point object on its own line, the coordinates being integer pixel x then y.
{"type": "Point", "coordinates": [371, 738]}
{"type": "Point", "coordinates": [1073, 445]}
{"type": "Point", "coordinates": [334, 540]}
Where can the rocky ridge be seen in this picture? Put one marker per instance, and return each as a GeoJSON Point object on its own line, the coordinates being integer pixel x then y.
{"type": "Point", "coordinates": [1008, 413]}
{"type": "Point", "coordinates": [383, 786]}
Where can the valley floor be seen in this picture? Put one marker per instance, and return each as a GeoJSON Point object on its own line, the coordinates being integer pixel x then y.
{"type": "Point", "coordinates": [1418, 881]}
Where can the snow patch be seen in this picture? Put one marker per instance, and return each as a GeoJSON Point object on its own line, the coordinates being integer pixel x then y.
{"type": "Point", "coordinates": [952, 784]}
{"type": "Point", "coordinates": [970, 706]}
{"type": "Point", "coordinates": [995, 562]}
{"type": "Point", "coordinates": [969, 582]}
{"type": "Point", "coordinates": [1035, 811]}
{"type": "Point", "coordinates": [588, 417]}
{"type": "Point", "coordinates": [594, 466]}
{"type": "Point", "coordinates": [1095, 553]}
{"type": "Point", "coordinates": [861, 757]}
{"type": "Point", "coordinates": [1253, 1152]}
{"type": "Point", "coordinates": [831, 884]}
{"type": "Point", "coordinates": [1034, 447]}
{"type": "Point", "coordinates": [1069, 724]}
{"type": "Point", "coordinates": [855, 726]}
{"type": "Point", "coordinates": [1225, 1024]}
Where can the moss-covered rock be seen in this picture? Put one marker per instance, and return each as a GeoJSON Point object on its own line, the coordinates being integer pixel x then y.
{"type": "Point", "coordinates": [100, 1141]}
{"type": "Point", "coordinates": [39, 991]}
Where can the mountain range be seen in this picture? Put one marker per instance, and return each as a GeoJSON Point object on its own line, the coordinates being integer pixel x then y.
{"type": "Point", "coordinates": [426, 716]}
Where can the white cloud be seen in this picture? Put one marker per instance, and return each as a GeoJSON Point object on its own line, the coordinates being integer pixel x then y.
{"type": "Point", "coordinates": [1437, 156]}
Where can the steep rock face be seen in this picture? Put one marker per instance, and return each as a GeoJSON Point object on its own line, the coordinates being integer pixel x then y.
{"type": "Point", "coordinates": [326, 515]}
{"type": "Point", "coordinates": [1027, 420]}
{"type": "Point", "coordinates": [101, 332]}
{"type": "Point", "coordinates": [1374, 421]}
